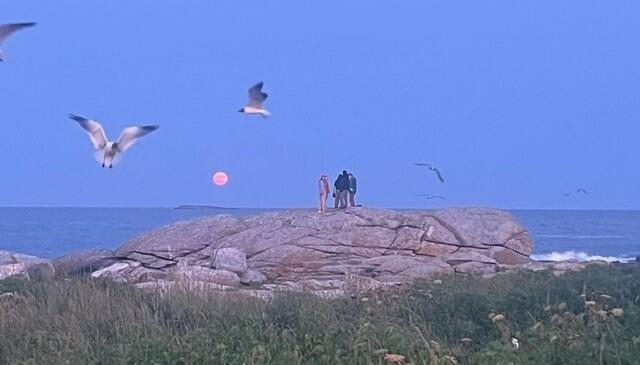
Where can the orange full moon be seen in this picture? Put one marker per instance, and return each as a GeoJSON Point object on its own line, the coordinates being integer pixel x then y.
{"type": "Point", "coordinates": [220, 178]}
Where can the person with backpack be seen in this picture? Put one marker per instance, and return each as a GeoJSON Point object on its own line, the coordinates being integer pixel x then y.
{"type": "Point", "coordinates": [342, 190]}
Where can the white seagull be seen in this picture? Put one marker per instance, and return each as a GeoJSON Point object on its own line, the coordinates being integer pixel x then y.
{"type": "Point", "coordinates": [256, 98]}
{"type": "Point", "coordinates": [432, 168]}
{"type": "Point", "coordinates": [109, 152]}
{"type": "Point", "coordinates": [6, 30]}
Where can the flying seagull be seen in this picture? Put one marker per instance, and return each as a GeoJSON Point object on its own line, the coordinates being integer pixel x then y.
{"type": "Point", "coordinates": [109, 152]}
{"type": "Point", "coordinates": [256, 98]}
{"type": "Point", "coordinates": [6, 30]}
{"type": "Point", "coordinates": [432, 168]}
{"type": "Point", "coordinates": [431, 197]}
{"type": "Point", "coordinates": [583, 191]}
{"type": "Point", "coordinates": [566, 195]}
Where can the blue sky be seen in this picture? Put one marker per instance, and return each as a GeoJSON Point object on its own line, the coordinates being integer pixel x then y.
{"type": "Point", "coordinates": [516, 101]}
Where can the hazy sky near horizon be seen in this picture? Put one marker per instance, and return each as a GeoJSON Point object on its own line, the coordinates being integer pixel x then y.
{"type": "Point", "coordinates": [515, 101]}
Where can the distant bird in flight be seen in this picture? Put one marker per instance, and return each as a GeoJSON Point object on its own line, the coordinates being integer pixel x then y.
{"type": "Point", "coordinates": [579, 191]}
{"type": "Point", "coordinates": [6, 30]}
{"type": "Point", "coordinates": [431, 197]}
{"type": "Point", "coordinates": [109, 152]}
{"type": "Point", "coordinates": [256, 98]}
{"type": "Point", "coordinates": [432, 168]}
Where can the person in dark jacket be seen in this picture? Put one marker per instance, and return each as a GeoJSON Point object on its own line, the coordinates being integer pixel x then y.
{"type": "Point", "coordinates": [336, 192]}
{"type": "Point", "coordinates": [342, 190]}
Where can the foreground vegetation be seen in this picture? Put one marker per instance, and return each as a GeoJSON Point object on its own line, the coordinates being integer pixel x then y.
{"type": "Point", "coordinates": [590, 317]}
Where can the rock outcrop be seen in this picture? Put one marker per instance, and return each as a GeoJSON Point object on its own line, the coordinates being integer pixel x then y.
{"type": "Point", "coordinates": [83, 262]}
{"type": "Point", "coordinates": [16, 264]}
{"type": "Point", "coordinates": [302, 249]}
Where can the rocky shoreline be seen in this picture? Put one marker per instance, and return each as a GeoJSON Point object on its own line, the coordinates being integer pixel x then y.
{"type": "Point", "coordinates": [301, 250]}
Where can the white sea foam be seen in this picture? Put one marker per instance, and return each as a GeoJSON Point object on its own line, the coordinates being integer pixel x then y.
{"type": "Point", "coordinates": [578, 256]}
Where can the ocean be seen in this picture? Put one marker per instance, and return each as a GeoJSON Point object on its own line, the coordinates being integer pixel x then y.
{"type": "Point", "coordinates": [52, 232]}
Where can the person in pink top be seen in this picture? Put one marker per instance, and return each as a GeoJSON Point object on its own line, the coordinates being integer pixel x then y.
{"type": "Point", "coordinates": [323, 190]}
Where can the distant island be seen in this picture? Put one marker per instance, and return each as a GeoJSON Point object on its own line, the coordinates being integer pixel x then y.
{"type": "Point", "coordinates": [203, 207]}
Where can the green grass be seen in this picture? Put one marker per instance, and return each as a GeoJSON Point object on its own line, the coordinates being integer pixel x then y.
{"type": "Point", "coordinates": [84, 321]}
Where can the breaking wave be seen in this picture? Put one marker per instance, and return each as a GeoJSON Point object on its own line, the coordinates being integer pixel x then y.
{"type": "Point", "coordinates": [578, 256]}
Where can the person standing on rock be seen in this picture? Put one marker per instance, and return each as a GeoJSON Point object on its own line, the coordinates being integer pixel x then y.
{"type": "Point", "coordinates": [353, 187]}
{"type": "Point", "coordinates": [342, 190]}
{"type": "Point", "coordinates": [323, 189]}
{"type": "Point", "coordinates": [336, 192]}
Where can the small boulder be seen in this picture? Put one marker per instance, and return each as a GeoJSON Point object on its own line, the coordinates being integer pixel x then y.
{"type": "Point", "coordinates": [119, 272]}
{"type": "Point", "coordinates": [10, 270]}
{"type": "Point", "coordinates": [41, 271]}
{"type": "Point", "coordinates": [361, 283]}
{"type": "Point", "coordinates": [509, 257]}
{"type": "Point", "coordinates": [37, 268]}
{"type": "Point", "coordinates": [199, 273]}
{"type": "Point", "coordinates": [475, 267]}
{"type": "Point", "coordinates": [253, 277]}
{"type": "Point", "coordinates": [427, 269]}
{"type": "Point", "coordinates": [230, 259]}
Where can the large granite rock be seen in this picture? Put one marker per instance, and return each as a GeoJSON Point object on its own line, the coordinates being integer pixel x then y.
{"type": "Point", "coordinates": [305, 250]}
{"type": "Point", "coordinates": [30, 267]}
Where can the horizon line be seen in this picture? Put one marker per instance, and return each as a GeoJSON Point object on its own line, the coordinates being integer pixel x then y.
{"type": "Point", "coordinates": [205, 206]}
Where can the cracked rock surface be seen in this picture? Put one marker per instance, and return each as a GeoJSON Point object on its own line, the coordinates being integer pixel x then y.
{"type": "Point", "coordinates": [302, 249]}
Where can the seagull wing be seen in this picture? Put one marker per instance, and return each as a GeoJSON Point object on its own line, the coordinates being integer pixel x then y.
{"type": "Point", "coordinates": [581, 191]}
{"type": "Point", "coordinates": [8, 29]}
{"type": "Point", "coordinates": [256, 96]}
{"type": "Point", "coordinates": [94, 129]}
{"type": "Point", "coordinates": [439, 197]}
{"type": "Point", "coordinates": [438, 173]}
{"type": "Point", "coordinates": [130, 135]}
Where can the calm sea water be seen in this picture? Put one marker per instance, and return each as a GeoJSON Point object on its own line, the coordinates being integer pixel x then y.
{"type": "Point", "coordinates": [52, 232]}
